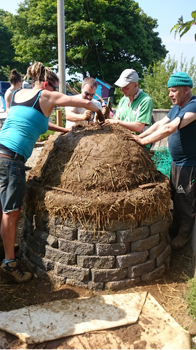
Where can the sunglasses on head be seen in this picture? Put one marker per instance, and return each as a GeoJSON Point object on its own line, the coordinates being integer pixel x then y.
{"type": "Point", "coordinates": [87, 94]}
{"type": "Point", "coordinates": [54, 87]}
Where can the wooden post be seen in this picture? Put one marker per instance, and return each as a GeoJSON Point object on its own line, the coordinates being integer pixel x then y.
{"type": "Point", "coordinates": [59, 117]}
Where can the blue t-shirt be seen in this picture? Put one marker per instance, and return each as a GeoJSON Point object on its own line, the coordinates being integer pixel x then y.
{"type": "Point", "coordinates": [182, 143]}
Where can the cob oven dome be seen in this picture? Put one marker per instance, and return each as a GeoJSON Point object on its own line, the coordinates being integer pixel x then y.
{"type": "Point", "coordinates": [95, 201]}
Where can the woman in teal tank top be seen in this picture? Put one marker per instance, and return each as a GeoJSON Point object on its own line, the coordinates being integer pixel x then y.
{"type": "Point", "coordinates": [27, 119]}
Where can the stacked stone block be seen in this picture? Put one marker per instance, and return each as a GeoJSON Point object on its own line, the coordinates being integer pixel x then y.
{"type": "Point", "coordinates": [122, 256]}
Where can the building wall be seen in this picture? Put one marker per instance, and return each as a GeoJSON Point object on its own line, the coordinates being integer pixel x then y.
{"type": "Point", "coordinates": [159, 114]}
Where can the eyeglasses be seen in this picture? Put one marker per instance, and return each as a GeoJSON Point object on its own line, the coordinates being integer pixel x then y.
{"type": "Point", "coordinates": [87, 94]}
{"type": "Point", "coordinates": [54, 87]}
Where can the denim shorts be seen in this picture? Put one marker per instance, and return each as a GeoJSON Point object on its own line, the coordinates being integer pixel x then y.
{"type": "Point", "coordinates": [12, 184]}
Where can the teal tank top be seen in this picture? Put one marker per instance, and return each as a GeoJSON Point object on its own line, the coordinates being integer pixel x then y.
{"type": "Point", "coordinates": [22, 127]}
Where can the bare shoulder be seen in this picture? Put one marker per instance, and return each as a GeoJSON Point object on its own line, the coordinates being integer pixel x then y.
{"type": "Point", "coordinates": [25, 94]}
{"type": "Point", "coordinates": [8, 92]}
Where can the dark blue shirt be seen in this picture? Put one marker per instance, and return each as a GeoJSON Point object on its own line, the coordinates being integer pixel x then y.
{"type": "Point", "coordinates": [182, 143]}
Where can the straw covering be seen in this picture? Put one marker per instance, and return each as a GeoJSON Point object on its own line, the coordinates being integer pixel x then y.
{"type": "Point", "coordinates": [97, 174]}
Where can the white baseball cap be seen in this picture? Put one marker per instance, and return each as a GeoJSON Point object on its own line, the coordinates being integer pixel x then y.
{"type": "Point", "coordinates": [126, 77]}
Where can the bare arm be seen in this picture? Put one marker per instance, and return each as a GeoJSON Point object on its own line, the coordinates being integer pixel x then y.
{"type": "Point", "coordinates": [49, 100]}
{"type": "Point", "coordinates": [8, 99]}
{"type": "Point", "coordinates": [75, 117]}
{"type": "Point", "coordinates": [159, 134]}
{"type": "Point", "coordinates": [155, 127]}
{"type": "Point", "coordinates": [133, 126]}
{"type": "Point", "coordinates": [188, 118]}
{"type": "Point", "coordinates": [54, 127]}
{"type": "Point", "coordinates": [165, 129]}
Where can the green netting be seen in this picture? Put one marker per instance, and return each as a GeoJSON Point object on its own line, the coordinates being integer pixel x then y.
{"type": "Point", "coordinates": [162, 160]}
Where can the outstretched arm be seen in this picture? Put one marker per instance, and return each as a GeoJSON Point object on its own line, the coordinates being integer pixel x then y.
{"type": "Point", "coordinates": [133, 126]}
{"type": "Point", "coordinates": [49, 100]}
{"type": "Point", "coordinates": [159, 134]}
{"type": "Point", "coordinates": [155, 127]}
{"type": "Point", "coordinates": [165, 129]}
{"type": "Point", "coordinates": [54, 127]}
{"type": "Point", "coordinates": [75, 117]}
{"type": "Point", "coordinates": [63, 100]}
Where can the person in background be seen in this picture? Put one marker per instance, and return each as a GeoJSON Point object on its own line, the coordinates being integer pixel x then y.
{"type": "Point", "coordinates": [27, 119]}
{"type": "Point", "coordinates": [16, 83]}
{"type": "Point", "coordinates": [106, 110]}
{"type": "Point", "coordinates": [79, 115]}
{"type": "Point", "coordinates": [180, 125]}
{"type": "Point", "coordinates": [134, 110]}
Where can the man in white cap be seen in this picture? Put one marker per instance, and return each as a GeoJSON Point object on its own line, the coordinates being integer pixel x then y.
{"type": "Point", "coordinates": [134, 110]}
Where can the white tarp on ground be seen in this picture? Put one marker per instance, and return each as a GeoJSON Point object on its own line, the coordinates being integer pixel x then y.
{"type": "Point", "coordinates": [53, 320]}
{"type": "Point", "coordinates": [60, 318]}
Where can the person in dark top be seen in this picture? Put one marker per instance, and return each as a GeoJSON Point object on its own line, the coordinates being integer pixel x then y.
{"type": "Point", "coordinates": [28, 117]}
{"type": "Point", "coordinates": [180, 126]}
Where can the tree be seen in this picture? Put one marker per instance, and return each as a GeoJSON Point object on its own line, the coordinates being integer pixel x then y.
{"type": "Point", "coordinates": [103, 37]}
{"type": "Point", "coordinates": [7, 52]}
{"type": "Point", "coordinates": [157, 75]}
{"type": "Point", "coordinates": [182, 27]}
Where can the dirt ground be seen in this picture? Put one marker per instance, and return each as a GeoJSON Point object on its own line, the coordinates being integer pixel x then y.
{"type": "Point", "coordinates": [170, 292]}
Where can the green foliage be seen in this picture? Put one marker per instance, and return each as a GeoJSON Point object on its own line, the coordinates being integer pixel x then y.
{"type": "Point", "coordinates": [75, 84]}
{"type": "Point", "coordinates": [103, 45]}
{"type": "Point", "coordinates": [191, 298]}
{"type": "Point", "coordinates": [5, 73]}
{"type": "Point", "coordinates": [157, 75]}
{"type": "Point", "coordinates": [182, 28]}
{"type": "Point", "coordinates": [7, 52]}
{"type": "Point", "coordinates": [103, 37]}
{"type": "Point", "coordinates": [54, 113]}
{"type": "Point", "coordinates": [34, 31]}
{"type": "Point", "coordinates": [45, 136]}
{"type": "Point", "coordinates": [117, 95]}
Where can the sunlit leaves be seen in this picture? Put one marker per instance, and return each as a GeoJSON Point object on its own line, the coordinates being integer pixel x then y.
{"type": "Point", "coordinates": [182, 28]}
{"type": "Point", "coordinates": [157, 75]}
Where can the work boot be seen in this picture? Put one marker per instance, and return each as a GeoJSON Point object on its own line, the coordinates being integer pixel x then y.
{"type": "Point", "coordinates": [12, 271]}
{"type": "Point", "coordinates": [184, 235]}
{"type": "Point", "coordinates": [173, 229]}
{"type": "Point", "coordinates": [2, 252]}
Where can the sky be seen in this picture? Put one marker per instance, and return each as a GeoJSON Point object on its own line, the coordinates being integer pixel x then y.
{"type": "Point", "coordinates": [167, 13]}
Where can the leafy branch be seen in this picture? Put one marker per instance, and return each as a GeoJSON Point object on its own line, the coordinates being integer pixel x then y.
{"type": "Point", "coordinates": [182, 28]}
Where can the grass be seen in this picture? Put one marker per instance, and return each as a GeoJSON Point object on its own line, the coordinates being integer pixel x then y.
{"type": "Point", "coordinates": [45, 136]}
{"type": "Point", "coordinates": [191, 298]}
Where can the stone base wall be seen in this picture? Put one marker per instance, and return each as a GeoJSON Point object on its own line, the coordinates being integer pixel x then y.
{"type": "Point", "coordinates": [118, 258]}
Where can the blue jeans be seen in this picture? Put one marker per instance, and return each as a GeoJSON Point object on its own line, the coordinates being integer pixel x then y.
{"type": "Point", "coordinates": [12, 184]}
